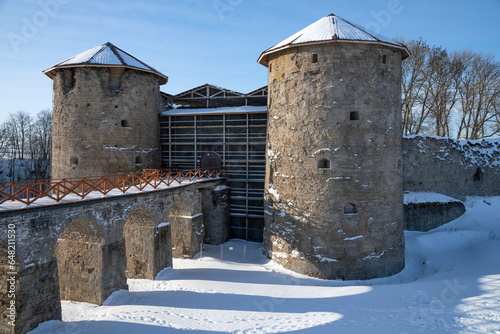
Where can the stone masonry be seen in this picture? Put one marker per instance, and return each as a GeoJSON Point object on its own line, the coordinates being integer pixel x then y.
{"type": "Point", "coordinates": [451, 167]}
{"type": "Point", "coordinates": [148, 244]}
{"type": "Point", "coordinates": [104, 130]}
{"type": "Point", "coordinates": [334, 178]}
{"type": "Point", "coordinates": [85, 250]}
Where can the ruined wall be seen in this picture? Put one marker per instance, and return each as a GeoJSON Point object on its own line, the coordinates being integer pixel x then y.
{"type": "Point", "coordinates": [103, 130]}
{"type": "Point", "coordinates": [216, 206]}
{"type": "Point", "coordinates": [7, 287]}
{"type": "Point", "coordinates": [21, 286]}
{"type": "Point", "coordinates": [38, 296]}
{"type": "Point", "coordinates": [333, 179]}
{"type": "Point", "coordinates": [451, 167]}
{"type": "Point", "coordinates": [37, 232]}
{"type": "Point", "coordinates": [79, 254]}
{"type": "Point", "coordinates": [427, 216]}
{"type": "Point", "coordinates": [186, 219]}
{"type": "Point", "coordinates": [148, 245]}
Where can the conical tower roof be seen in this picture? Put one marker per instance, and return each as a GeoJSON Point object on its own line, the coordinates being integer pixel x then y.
{"type": "Point", "coordinates": [106, 55]}
{"type": "Point", "coordinates": [331, 29]}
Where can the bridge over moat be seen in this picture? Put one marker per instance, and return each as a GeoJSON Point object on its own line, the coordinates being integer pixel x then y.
{"type": "Point", "coordinates": [85, 250]}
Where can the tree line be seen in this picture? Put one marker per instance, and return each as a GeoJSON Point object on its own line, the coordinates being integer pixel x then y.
{"type": "Point", "coordinates": [450, 94]}
{"type": "Point", "coordinates": [25, 146]}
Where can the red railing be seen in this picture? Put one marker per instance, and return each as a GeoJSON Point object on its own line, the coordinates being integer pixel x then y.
{"type": "Point", "coordinates": [28, 192]}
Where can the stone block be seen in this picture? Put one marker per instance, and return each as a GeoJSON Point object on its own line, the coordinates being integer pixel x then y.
{"type": "Point", "coordinates": [427, 216]}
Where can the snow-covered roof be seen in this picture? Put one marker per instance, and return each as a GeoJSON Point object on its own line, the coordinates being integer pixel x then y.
{"type": "Point", "coordinates": [212, 111]}
{"type": "Point", "coordinates": [106, 55]}
{"type": "Point", "coordinates": [329, 29]}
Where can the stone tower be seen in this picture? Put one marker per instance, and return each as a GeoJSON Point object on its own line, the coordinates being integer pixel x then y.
{"type": "Point", "coordinates": [333, 191]}
{"type": "Point", "coordinates": [106, 105]}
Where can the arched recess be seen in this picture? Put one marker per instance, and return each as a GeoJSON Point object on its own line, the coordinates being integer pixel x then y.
{"type": "Point", "coordinates": [79, 254]}
{"type": "Point", "coordinates": [211, 160]}
{"type": "Point", "coordinates": [147, 245]}
{"type": "Point", "coordinates": [186, 222]}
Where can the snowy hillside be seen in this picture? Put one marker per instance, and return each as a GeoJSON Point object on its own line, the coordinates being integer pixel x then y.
{"type": "Point", "coordinates": [451, 284]}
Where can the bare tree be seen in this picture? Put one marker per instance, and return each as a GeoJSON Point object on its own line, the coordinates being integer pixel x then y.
{"type": "Point", "coordinates": [443, 82]}
{"type": "Point", "coordinates": [19, 126]}
{"type": "Point", "coordinates": [479, 96]}
{"type": "Point", "coordinates": [414, 75]}
{"type": "Point", "coordinates": [27, 142]}
{"type": "Point", "coordinates": [4, 137]}
{"type": "Point", "coordinates": [39, 147]}
{"type": "Point", "coordinates": [438, 88]}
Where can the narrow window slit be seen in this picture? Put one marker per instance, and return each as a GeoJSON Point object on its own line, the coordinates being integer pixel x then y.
{"type": "Point", "coordinates": [73, 162]}
{"type": "Point", "coordinates": [323, 164]}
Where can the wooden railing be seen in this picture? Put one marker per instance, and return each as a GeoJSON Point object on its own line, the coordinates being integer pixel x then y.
{"type": "Point", "coordinates": [28, 192]}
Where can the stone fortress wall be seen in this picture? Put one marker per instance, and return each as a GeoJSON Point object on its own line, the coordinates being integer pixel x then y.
{"type": "Point", "coordinates": [456, 168]}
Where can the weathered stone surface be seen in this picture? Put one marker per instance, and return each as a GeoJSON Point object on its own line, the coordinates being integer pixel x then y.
{"type": "Point", "coordinates": [426, 216]}
{"type": "Point", "coordinates": [148, 245]}
{"type": "Point", "coordinates": [79, 254]}
{"type": "Point", "coordinates": [216, 204]}
{"type": "Point", "coordinates": [36, 297]}
{"type": "Point", "coordinates": [99, 130]}
{"type": "Point", "coordinates": [186, 219]}
{"type": "Point", "coordinates": [451, 167]}
{"type": "Point", "coordinates": [93, 234]}
{"type": "Point", "coordinates": [334, 201]}
{"type": "Point", "coordinates": [9, 285]}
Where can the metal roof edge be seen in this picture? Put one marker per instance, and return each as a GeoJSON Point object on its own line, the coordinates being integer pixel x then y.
{"type": "Point", "coordinates": [214, 111]}
{"type": "Point", "coordinates": [114, 49]}
{"type": "Point", "coordinates": [264, 57]}
{"type": "Point", "coordinates": [51, 71]}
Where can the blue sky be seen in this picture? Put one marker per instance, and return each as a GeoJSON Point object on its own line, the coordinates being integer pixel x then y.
{"type": "Point", "coordinates": [195, 42]}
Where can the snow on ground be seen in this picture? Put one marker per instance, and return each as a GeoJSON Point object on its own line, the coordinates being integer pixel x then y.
{"type": "Point", "coordinates": [415, 197]}
{"type": "Point", "coordinates": [451, 284]}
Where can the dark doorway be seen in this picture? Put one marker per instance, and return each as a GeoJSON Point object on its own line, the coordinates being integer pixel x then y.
{"type": "Point", "coordinates": [210, 160]}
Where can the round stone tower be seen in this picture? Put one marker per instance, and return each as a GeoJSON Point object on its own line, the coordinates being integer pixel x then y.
{"type": "Point", "coordinates": [333, 191]}
{"type": "Point", "coordinates": [106, 105]}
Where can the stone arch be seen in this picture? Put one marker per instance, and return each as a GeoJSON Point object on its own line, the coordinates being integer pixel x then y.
{"type": "Point", "coordinates": [186, 222]}
{"type": "Point", "coordinates": [79, 251]}
{"type": "Point", "coordinates": [350, 209]}
{"type": "Point", "coordinates": [147, 245]}
{"type": "Point", "coordinates": [141, 217]}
